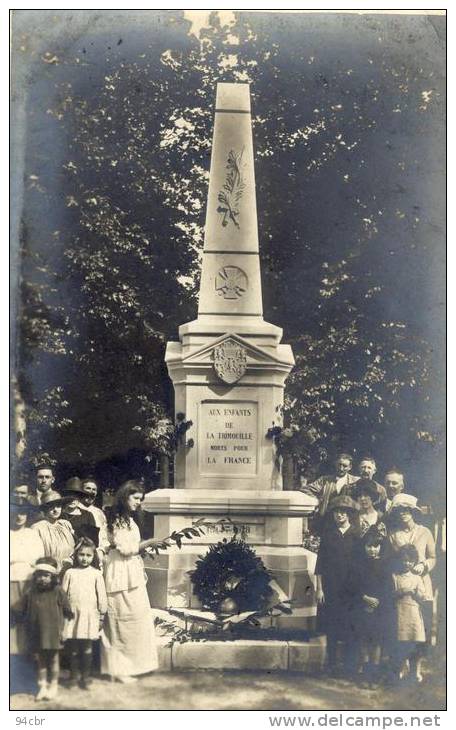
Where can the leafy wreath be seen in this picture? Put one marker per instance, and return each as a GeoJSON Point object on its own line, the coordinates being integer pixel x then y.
{"type": "Point", "coordinates": [232, 578]}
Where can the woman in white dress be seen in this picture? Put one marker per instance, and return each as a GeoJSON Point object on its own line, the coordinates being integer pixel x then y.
{"type": "Point", "coordinates": [128, 641]}
{"type": "Point", "coordinates": [405, 531]}
{"type": "Point", "coordinates": [25, 549]}
{"type": "Point", "coordinates": [56, 533]}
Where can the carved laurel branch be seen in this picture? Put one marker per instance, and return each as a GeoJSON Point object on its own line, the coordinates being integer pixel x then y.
{"type": "Point", "coordinates": [232, 190]}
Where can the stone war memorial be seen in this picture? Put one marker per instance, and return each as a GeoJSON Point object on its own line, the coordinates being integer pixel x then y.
{"type": "Point", "coordinates": [228, 371]}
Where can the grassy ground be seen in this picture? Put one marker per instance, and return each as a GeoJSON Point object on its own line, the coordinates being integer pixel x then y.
{"type": "Point", "coordinates": [213, 690]}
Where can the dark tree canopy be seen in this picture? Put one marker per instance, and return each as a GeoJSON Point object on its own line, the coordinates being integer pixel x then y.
{"type": "Point", "coordinates": [349, 142]}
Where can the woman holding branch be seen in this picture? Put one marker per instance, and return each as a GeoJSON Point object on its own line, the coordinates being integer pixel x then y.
{"type": "Point", "coordinates": [128, 642]}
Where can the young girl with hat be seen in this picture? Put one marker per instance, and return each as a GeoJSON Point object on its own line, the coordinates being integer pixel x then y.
{"type": "Point", "coordinates": [408, 593]}
{"type": "Point", "coordinates": [56, 533]}
{"type": "Point", "coordinates": [85, 588]}
{"type": "Point", "coordinates": [43, 608]}
{"type": "Point", "coordinates": [335, 592]}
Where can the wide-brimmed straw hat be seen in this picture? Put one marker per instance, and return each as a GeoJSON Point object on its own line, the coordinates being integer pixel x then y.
{"type": "Point", "coordinates": [343, 502]}
{"type": "Point", "coordinates": [73, 488]}
{"type": "Point", "coordinates": [405, 501]}
{"type": "Point", "coordinates": [53, 499]}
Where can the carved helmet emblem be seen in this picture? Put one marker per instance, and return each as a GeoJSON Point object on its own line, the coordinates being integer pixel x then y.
{"type": "Point", "coordinates": [230, 361]}
{"type": "Point", "coordinates": [231, 282]}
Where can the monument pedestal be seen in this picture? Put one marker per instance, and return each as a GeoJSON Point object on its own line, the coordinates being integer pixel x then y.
{"type": "Point", "coordinates": [271, 522]}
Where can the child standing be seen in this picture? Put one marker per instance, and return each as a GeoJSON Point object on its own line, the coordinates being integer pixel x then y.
{"type": "Point", "coordinates": [372, 606]}
{"type": "Point", "coordinates": [408, 593]}
{"type": "Point", "coordinates": [85, 588]}
{"type": "Point", "coordinates": [43, 609]}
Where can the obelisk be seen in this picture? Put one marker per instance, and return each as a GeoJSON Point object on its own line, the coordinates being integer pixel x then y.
{"type": "Point", "coordinates": [229, 353]}
{"type": "Point", "coordinates": [231, 280]}
{"type": "Point", "coordinates": [228, 371]}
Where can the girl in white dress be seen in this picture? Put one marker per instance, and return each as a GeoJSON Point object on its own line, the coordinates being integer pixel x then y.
{"type": "Point", "coordinates": [409, 593]}
{"type": "Point", "coordinates": [128, 642]}
{"type": "Point", "coordinates": [85, 588]}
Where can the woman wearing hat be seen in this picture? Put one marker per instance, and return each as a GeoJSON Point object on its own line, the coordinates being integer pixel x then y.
{"type": "Point", "coordinates": [334, 572]}
{"type": "Point", "coordinates": [82, 521]}
{"type": "Point", "coordinates": [365, 493]}
{"type": "Point", "coordinates": [55, 532]}
{"type": "Point", "coordinates": [404, 530]}
{"type": "Point", "coordinates": [25, 549]}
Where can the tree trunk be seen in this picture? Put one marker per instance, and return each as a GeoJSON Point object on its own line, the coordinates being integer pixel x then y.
{"type": "Point", "coordinates": [19, 420]}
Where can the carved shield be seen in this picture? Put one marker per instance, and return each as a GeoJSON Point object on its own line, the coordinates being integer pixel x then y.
{"type": "Point", "coordinates": [230, 361]}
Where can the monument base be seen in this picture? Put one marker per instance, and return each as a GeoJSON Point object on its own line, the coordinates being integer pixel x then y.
{"type": "Point", "coordinates": [271, 522]}
{"type": "Point", "coordinates": [257, 655]}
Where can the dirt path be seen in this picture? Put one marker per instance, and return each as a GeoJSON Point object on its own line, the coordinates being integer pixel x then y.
{"type": "Point", "coordinates": [210, 690]}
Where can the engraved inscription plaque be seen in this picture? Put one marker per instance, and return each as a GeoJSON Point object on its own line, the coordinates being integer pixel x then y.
{"type": "Point", "coordinates": [228, 438]}
{"type": "Point", "coordinates": [251, 529]}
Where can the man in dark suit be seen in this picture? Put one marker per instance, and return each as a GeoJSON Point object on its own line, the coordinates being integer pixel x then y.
{"type": "Point", "coordinates": [45, 480]}
{"type": "Point", "coordinates": [331, 485]}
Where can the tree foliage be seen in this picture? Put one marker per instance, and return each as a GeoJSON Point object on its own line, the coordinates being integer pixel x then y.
{"type": "Point", "coordinates": [348, 142]}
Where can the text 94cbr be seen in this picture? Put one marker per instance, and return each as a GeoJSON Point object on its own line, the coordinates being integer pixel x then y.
{"type": "Point", "coordinates": [36, 721]}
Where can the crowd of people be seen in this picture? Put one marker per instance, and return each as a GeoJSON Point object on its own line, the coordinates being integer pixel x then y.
{"type": "Point", "coordinates": [77, 577]}
{"type": "Point", "coordinates": [373, 574]}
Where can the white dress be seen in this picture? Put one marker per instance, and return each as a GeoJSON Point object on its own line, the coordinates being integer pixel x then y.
{"type": "Point", "coordinates": [57, 538]}
{"type": "Point", "coordinates": [25, 549]}
{"type": "Point", "coordinates": [86, 593]}
{"type": "Point", "coordinates": [128, 641]}
{"type": "Point", "coordinates": [409, 619]}
{"type": "Point", "coordinates": [422, 539]}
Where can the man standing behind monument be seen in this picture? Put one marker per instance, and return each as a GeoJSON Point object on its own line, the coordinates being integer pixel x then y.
{"type": "Point", "coordinates": [331, 485]}
{"type": "Point", "coordinates": [367, 469]}
{"type": "Point", "coordinates": [45, 480]}
{"type": "Point", "coordinates": [90, 489]}
{"type": "Point", "coordinates": [394, 484]}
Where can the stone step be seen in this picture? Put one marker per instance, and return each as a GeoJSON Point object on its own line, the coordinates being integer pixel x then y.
{"type": "Point", "coordinates": [294, 656]}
